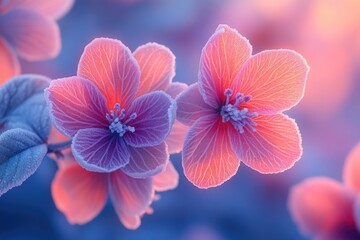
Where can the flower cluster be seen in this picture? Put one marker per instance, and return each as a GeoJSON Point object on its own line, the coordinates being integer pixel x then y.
{"type": "Point", "coordinates": [123, 116]}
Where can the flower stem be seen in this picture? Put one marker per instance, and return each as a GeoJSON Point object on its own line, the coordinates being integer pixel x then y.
{"type": "Point", "coordinates": [57, 147]}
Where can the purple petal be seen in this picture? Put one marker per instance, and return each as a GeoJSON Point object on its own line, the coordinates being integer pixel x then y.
{"type": "Point", "coordinates": [75, 104]}
{"type": "Point", "coordinates": [155, 117]}
{"type": "Point", "coordinates": [146, 161]}
{"type": "Point", "coordinates": [96, 149]}
{"type": "Point", "coordinates": [176, 88]}
{"type": "Point", "coordinates": [191, 106]}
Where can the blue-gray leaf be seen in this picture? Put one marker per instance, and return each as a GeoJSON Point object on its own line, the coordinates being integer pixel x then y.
{"type": "Point", "coordinates": [21, 153]}
{"type": "Point", "coordinates": [22, 105]}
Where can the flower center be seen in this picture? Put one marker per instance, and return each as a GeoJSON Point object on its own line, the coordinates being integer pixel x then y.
{"type": "Point", "coordinates": [115, 120]}
{"type": "Point", "coordinates": [239, 117]}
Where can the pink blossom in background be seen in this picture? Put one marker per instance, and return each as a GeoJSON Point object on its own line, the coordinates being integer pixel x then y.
{"type": "Point", "coordinates": [325, 208]}
{"type": "Point", "coordinates": [28, 30]}
{"type": "Point", "coordinates": [235, 111]}
{"type": "Point", "coordinates": [81, 195]}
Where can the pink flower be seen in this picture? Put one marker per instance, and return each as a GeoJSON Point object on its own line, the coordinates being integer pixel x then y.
{"type": "Point", "coordinates": [81, 195]}
{"type": "Point", "coordinates": [326, 209]}
{"type": "Point", "coordinates": [235, 110]}
{"type": "Point", "coordinates": [109, 112]}
{"type": "Point", "coordinates": [28, 29]}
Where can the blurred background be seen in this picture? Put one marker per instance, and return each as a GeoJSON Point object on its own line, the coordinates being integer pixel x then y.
{"type": "Point", "coordinates": [250, 205]}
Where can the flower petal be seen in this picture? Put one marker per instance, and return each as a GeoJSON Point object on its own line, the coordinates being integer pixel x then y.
{"type": "Point", "coordinates": [8, 61]}
{"type": "Point", "coordinates": [157, 67]}
{"type": "Point", "coordinates": [273, 148]}
{"type": "Point", "coordinates": [221, 60]}
{"type": "Point", "coordinates": [351, 169]}
{"type": "Point", "coordinates": [114, 70]}
{"type": "Point", "coordinates": [275, 80]}
{"type": "Point", "coordinates": [130, 221]}
{"type": "Point", "coordinates": [130, 196]}
{"type": "Point", "coordinates": [98, 150]}
{"type": "Point", "coordinates": [75, 104]}
{"type": "Point", "coordinates": [167, 179]}
{"type": "Point", "coordinates": [147, 161]}
{"type": "Point", "coordinates": [319, 205]}
{"type": "Point", "coordinates": [79, 194]}
{"type": "Point", "coordinates": [191, 106]}
{"type": "Point", "coordinates": [155, 117]}
{"type": "Point", "coordinates": [54, 8]}
{"type": "Point", "coordinates": [33, 36]}
{"type": "Point", "coordinates": [208, 159]}
{"type": "Point", "coordinates": [176, 88]}
{"type": "Point", "coordinates": [175, 140]}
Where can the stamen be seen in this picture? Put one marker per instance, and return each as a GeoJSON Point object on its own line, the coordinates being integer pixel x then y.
{"type": "Point", "coordinates": [115, 117]}
{"type": "Point", "coordinates": [240, 118]}
{"type": "Point", "coordinates": [228, 94]}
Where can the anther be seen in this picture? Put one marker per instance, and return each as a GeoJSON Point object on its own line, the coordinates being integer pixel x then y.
{"type": "Point", "coordinates": [239, 117]}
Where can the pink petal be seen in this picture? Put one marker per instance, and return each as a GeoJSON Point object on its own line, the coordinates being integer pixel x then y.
{"type": "Point", "coordinates": [351, 169]}
{"type": "Point", "coordinates": [191, 106]}
{"type": "Point", "coordinates": [33, 36]}
{"type": "Point", "coordinates": [167, 179]}
{"type": "Point", "coordinates": [157, 67]}
{"type": "Point", "coordinates": [273, 148]}
{"type": "Point", "coordinates": [274, 79]}
{"type": "Point", "coordinates": [129, 221]}
{"type": "Point", "coordinates": [176, 88]}
{"type": "Point", "coordinates": [147, 161]}
{"type": "Point", "coordinates": [98, 150]}
{"type": "Point", "coordinates": [53, 8]}
{"type": "Point", "coordinates": [208, 159]}
{"type": "Point", "coordinates": [79, 194]}
{"type": "Point", "coordinates": [320, 205]}
{"type": "Point", "coordinates": [155, 117]}
{"type": "Point", "coordinates": [130, 196]}
{"type": "Point", "coordinates": [221, 60]}
{"type": "Point", "coordinates": [176, 138]}
{"type": "Point", "coordinates": [75, 104]}
{"type": "Point", "coordinates": [8, 62]}
{"type": "Point", "coordinates": [111, 66]}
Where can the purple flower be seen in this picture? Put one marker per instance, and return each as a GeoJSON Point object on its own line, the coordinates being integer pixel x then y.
{"type": "Point", "coordinates": [112, 125]}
